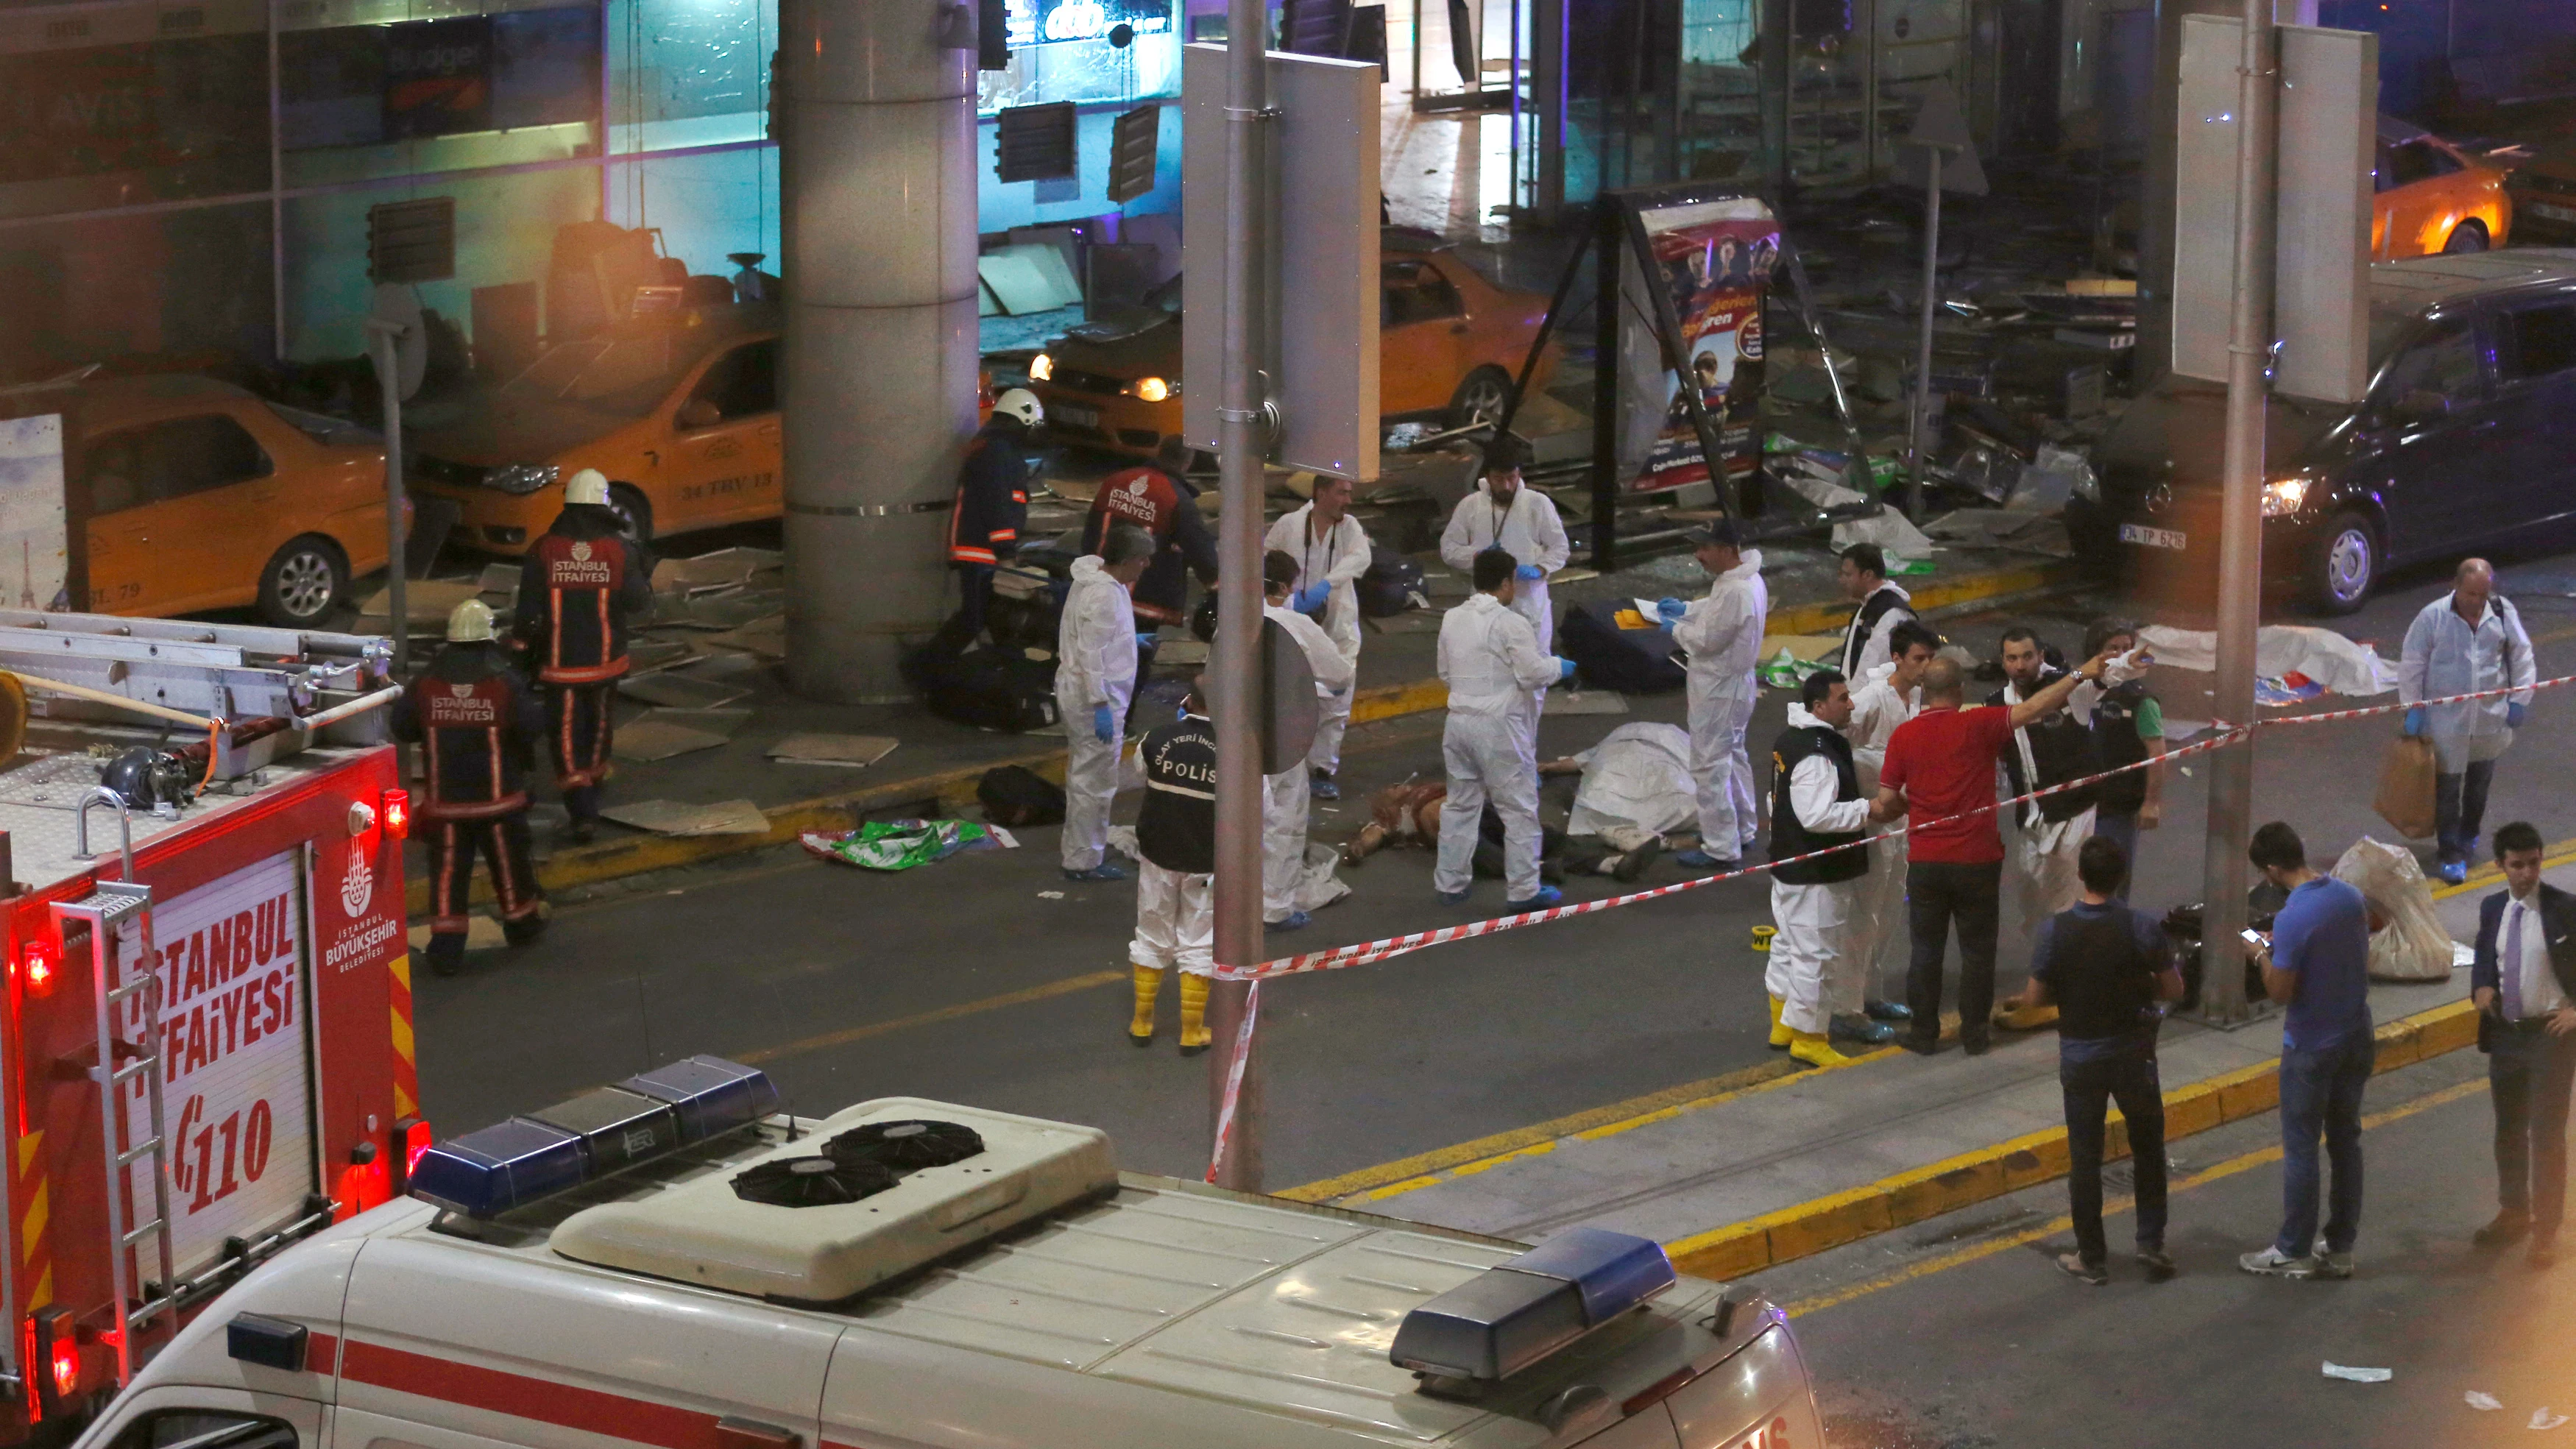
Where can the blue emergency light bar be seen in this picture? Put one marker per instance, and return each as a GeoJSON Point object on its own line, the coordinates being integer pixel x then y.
{"type": "Point", "coordinates": [534, 1156]}
{"type": "Point", "coordinates": [1514, 1314]}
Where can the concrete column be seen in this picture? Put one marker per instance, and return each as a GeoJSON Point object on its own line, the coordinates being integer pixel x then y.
{"type": "Point", "coordinates": [878, 177]}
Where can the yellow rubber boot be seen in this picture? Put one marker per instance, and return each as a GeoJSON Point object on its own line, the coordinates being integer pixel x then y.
{"type": "Point", "coordinates": [1812, 1048]}
{"type": "Point", "coordinates": [1780, 1033]}
{"type": "Point", "coordinates": [1194, 1032]}
{"type": "Point", "coordinates": [1149, 984]}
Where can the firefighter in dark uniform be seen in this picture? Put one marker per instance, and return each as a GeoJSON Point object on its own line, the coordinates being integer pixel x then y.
{"type": "Point", "coordinates": [992, 507]}
{"type": "Point", "coordinates": [1159, 500]}
{"type": "Point", "coordinates": [582, 579]}
{"type": "Point", "coordinates": [477, 723]}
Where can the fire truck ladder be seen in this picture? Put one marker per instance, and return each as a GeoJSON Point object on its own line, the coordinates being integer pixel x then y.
{"type": "Point", "coordinates": [110, 911]}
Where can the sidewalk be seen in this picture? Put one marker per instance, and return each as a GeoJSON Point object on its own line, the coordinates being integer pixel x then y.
{"type": "Point", "coordinates": [1778, 1163]}
{"type": "Point", "coordinates": [936, 765]}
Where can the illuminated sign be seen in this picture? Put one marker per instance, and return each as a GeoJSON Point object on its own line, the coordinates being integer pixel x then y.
{"type": "Point", "coordinates": [1046, 22]}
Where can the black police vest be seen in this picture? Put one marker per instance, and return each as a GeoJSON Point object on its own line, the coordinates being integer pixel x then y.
{"type": "Point", "coordinates": [2103, 981]}
{"type": "Point", "coordinates": [1864, 622]}
{"type": "Point", "coordinates": [1789, 837]}
{"type": "Point", "coordinates": [2116, 743]}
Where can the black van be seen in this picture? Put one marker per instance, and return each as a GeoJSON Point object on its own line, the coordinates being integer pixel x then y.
{"type": "Point", "coordinates": [2468, 434]}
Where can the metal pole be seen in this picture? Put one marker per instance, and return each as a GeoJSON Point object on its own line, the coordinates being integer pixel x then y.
{"type": "Point", "coordinates": [2240, 550]}
{"type": "Point", "coordinates": [1415, 97]}
{"type": "Point", "coordinates": [381, 337]}
{"type": "Point", "coordinates": [1607, 272]}
{"type": "Point", "coordinates": [1235, 683]}
{"type": "Point", "coordinates": [1914, 439]}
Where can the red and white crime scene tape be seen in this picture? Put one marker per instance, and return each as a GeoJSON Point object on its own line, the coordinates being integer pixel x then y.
{"type": "Point", "coordinates": [1385, 948]}
{"type": "Point", "coordinates": [1242, 1050]}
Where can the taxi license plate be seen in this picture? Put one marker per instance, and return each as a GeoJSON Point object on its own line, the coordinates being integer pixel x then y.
{"type": "Point", "coordinates": [2553, 213]}
{"type": "Point", "coordinates": [1078, 417]}
{"type": "Point", "coordinates": [2151, 537]}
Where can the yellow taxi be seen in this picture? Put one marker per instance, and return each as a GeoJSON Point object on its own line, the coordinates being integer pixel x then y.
{"type": "Point", "coordinates": [680, 413]}
{"type": "Point", "coordinates": [1449, 344]}
{"type": "Point", "coordinates": [193, 494]}
{"type": "Point", "coordinates": [2429, 196]}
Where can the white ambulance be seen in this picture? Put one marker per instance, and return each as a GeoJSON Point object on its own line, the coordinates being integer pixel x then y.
{"type": "Point", "coordinates": [667, 1262]}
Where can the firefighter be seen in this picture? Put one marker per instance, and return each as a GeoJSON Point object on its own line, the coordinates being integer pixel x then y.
{"type": "Point", "coordinates": [992, 506]}
{"type": "Point", "coordinates": [477, 724]}
{"type": "Point", "coordinates": [1176, 872]}
{"type": "Point", "coordinates": [1159, 500]}
{"type": "Point", "coordinates": [582, 579]}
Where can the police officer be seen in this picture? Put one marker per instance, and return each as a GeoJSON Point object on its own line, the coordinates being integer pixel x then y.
{"type": "Point", "coordinates": [1176, 873]}
{"type": "Point", "coordinates": [992, 507]}
{"type": "Point", "coordinates": [2128, 729]}
{"type": "Point", "coordinates": [1816, 804]}
{"type": "Point", "coordinates": [583, 577]}
{"type": "Point", "coordinates": [1159, 500]}
{"type": "Point", "coordinates": [478, 724]}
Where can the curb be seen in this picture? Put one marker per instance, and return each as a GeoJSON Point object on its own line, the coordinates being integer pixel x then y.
{"type": "Point", "coordinates": [1974, 1177]}
{"type": "Point", "coordinates": [584, 865]}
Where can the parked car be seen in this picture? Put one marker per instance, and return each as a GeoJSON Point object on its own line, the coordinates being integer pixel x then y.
{"type": "Point", "coordinates": [2430, 196]}
{"type": "Point", "coordinates": [1449, 345]}
{"type": "Point", "coordinates": [2467, 435]}
{"type": "Point", "coordinates": [193, 494]}
{"type": "Point", "coordinates": [2544, 198]}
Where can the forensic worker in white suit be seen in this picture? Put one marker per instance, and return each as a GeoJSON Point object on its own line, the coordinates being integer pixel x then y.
{"type": "Point", "coordinates": [1332, 551]}
{"type": "Point", "coordinates": [1505, 513]}
{"type": "Point", "coordinates": [1285, 796]}
{"type": "Point", "coordinates": [1490, 659]}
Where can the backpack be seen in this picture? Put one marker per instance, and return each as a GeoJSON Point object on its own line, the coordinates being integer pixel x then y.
{"type": "Point", "coordinates": [991, 689]}
{"type": "Point", "coordinates": [1631, 661]}
{"type": "Point", "coordinates": [1392, 584]}
{"type": "Point", "coordinates": [1017, 795]}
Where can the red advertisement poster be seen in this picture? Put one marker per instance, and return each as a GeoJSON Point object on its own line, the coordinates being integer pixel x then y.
{"type": "Point", "coordinates": [1715, 270]}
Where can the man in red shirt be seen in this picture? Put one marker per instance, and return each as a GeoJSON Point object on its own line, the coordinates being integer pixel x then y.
{"type": "Point", "coordinates": [1940, 768]}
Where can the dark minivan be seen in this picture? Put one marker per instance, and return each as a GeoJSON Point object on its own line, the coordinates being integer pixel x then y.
{"type": "Point", "coordinates": [2468, 434]}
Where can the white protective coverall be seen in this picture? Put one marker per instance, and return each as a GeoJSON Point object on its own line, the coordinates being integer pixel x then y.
{"type": "Point", "coordinates": [1337, 556]}
{"type": "Point", "coordinates": [1636, 783]}
{"type": "Point", "coordinates": [1490, 659]}
{"type": "Point", "coordinates": [2039, 852]}
{"type": "Point", "coordinates": [1285, 796]}
{"type": "Point", "coordinates": [1095, 664]}
{"type": "Point", "coordinates": [2444, 656]}
{"type": "Point", "coordinates": [1722, 634]}
{"type": "Point", "coordinates": [1811, 957]}
{"type": "Point", "coordinates": [1879, 941]}
{"type": "Point", "coordinates": [1528, 529]}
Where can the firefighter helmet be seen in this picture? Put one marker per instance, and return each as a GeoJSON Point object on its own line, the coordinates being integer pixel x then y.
{"type": "Point", "coordinates": [1020, 403]}
{"type": "Point", "coordinates": [470, 623]}
{"type": "Point", "coordinates": [587, 486]}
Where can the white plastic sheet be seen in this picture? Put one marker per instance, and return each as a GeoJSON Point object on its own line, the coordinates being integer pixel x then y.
{"type": "Point", "coordinates": [2413, 946]}
{"type": "Point", "coordinates": [2338, 663]}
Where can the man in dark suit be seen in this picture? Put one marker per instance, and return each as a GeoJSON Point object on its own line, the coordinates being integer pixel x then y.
{"type": "Point", "coordinates": [2524, 984]}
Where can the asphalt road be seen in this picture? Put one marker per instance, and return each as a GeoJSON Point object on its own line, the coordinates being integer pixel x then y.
{"type": "Point", "coordinates": [1960, 1332]}
{"type": "Point", "coordinates": [972, 981]}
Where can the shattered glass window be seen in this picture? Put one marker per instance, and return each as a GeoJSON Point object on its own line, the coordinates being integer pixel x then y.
{"type": "Point", "coordinates": [688, 72]}
{"type": "Point", "coordinates": [1086, 50]}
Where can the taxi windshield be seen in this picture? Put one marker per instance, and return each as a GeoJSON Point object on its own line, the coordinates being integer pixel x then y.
{"type": "Point", "coordinates": [621, 375]}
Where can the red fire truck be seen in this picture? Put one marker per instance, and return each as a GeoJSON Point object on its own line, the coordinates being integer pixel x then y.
{"type": "Point", "coordinates": [206, 1052]}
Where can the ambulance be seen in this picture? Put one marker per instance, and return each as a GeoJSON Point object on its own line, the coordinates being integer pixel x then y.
{"type": "Point", "coordinates": [205, 1050]}
{"type": "Point", "coordinates": [670, 1261]}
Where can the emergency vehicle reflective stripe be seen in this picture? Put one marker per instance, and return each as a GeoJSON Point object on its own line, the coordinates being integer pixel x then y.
{"type": "Point", "coordinates": [406, 1070]}
{"type": "Point", "coordinates": [35, 1244]}
{"type": "Point", "coordinates": [321, 1352]}
{"type": "Point", "coordinates": [520, 1396]}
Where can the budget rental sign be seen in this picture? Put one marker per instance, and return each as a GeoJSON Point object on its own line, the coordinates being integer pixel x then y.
{"type": "Point", "coordinates": [235, 1098]}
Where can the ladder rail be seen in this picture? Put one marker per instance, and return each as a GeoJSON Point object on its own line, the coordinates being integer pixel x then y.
{"type": "Point", "coordinates": [116, 906]}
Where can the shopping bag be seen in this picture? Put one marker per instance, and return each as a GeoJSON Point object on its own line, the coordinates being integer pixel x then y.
{"type": "Point", "coordinates": [2405, 798]}
{"type": "Point", "coordinates": [2412, 945]}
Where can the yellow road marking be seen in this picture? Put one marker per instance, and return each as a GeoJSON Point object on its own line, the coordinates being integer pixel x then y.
{"type": "Point", "coordinates": [847, 1035]}
{"type": "Point", "coordinates": [2026, 1236]}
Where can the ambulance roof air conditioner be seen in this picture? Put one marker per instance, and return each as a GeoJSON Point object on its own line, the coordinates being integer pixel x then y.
{"type": "Point", "coordinates": [877, 1191]}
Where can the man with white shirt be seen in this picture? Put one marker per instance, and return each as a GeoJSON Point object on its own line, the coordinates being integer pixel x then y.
{"type": "Point", "coordinates": [2523, 981]}
{"type": "Point", "coordinates": [1285, 796]}
{"type": "Point", "coordinates": [1504, 513]}
{"type": "Point", "coordinates": [1095, 678]}
{"type": "Point", "coordinates": [1816, 805]}
{"type": "Point", "coordinates": [1881, 607]}
{"type": "Point", "coordinates": [2469, 641]}
{"type": "Point", "coordinates": [1332, 551]}
{"type": "Point", "coordinates": [1893, 695]}
{"type": "Point", "coordinates": [1722, 635]}
{"type": "Point", "coordinates": [1490, 659]}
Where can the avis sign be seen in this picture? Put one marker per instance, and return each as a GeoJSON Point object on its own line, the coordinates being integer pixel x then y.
{"type": "Point", "coordinates": [230, 957]}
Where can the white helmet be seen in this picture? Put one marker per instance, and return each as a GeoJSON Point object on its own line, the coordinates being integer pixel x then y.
{"type": "Point", "coordinates": [1020, 403]}
{"type": "Point", "coordinates": [470, 623]}
{"type": "Point", "coordinates": [587, 486]}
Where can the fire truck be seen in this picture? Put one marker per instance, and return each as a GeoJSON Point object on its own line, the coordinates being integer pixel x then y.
{"type": "Point", "coordinates": [206, 1050]}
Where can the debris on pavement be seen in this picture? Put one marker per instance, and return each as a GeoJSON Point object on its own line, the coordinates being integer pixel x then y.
{"type": "Point", "coordinates": [722, 722]}
{"type": "Point", "coordinates": [891, 845]}
{"type": "Point", "coordinates": [672, 817]}
{"type": "Point", "coordinates": [646, 656]}
{"type": "Point", "coordinates": [848, 751]}
{"type": "Point", "coordinates": [2358, 1375]}
{"type": "Point", "coordinates": [648, 739]}
{"type": "Point", "coordinates": [1050, 895]}
{"type": "Point", "coordinates": [1584, 701]}
{"type": "Point", "coordinates": [2413, 946]}
{"type": "Point", "coordinates": [714, 573]}
{"type": "Point", "coordinates": [680, 691]}
{"type": "Point", "coordinates": [2482, 1401]}
{"type": "Point", "coordinates": [2544, 1420]}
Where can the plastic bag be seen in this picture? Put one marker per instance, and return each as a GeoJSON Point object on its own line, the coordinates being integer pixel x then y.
{"type": "Point", "coordinates": [898, 844]}
{"type": "Point", "coordinates": [2405, 798]}
{"type": "Point", "coordinates": [2413, 946]}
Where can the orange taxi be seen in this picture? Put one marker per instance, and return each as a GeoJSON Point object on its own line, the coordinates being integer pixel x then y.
{"type": "Point", "coordinates": [193, 494]}
{"type": "Point", "coordinates": [2431, 197]}
{"type": "Point", "coordinates": [680, 413]}
{"type": "Point", "coordinates": [1449, 344]}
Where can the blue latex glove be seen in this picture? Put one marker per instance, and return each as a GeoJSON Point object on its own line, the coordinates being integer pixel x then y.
{"type": "Point", "coordinates": [1530, 573]}
{"type": "Point", "coordinates": [1148, 638]}
{"type": "Point", "coordinates": [2415, 720]}
{"type": "Point", "coordinates": [1564, 670]}
{"type": "Point", "coordinates": [1104, 725]}
{"type": "Point", "coordinates": [1671, 610]}
{"type": "Point", "coordinates": [1311, 599]}
{"type": "Point", "coordinates": [2513, 713]}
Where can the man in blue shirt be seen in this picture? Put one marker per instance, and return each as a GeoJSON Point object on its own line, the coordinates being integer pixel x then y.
{"type": "Point", "coordinates": [2318, 966]}
{"type": "Point", "coordinates": [2105, 966]}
